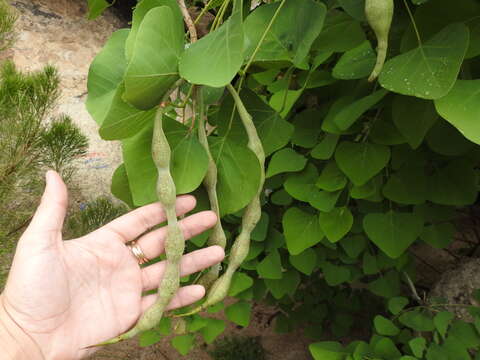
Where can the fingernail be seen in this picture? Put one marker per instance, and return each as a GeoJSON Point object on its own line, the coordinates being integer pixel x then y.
{"type": "Point", "coordinates": [48, 176]}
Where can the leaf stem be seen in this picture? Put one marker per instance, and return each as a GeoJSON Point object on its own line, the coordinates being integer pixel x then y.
{"type": "Point", "coordinates": [257, 49]}
{"type": "Point", "coordinates": [417, 33]}
{"type": "Point", "coordinates": [188, 21]}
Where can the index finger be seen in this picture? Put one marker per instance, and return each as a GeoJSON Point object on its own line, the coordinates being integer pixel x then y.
{"type": "Point", "coordinates": [129, 226]}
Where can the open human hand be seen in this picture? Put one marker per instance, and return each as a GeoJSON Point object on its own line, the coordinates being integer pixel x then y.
{"type": "Point", "coordinates": [67, 295]}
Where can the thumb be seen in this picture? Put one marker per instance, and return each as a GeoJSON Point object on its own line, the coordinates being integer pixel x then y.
{"type": "Point", "coordinates": [51, 212]}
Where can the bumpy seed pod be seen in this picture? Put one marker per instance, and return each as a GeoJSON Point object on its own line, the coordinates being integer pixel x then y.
{"type": "Point", "coordinates": [250, 218]}
{"type": "Point", "coordinates": [379, 15]}
{"type": "Point", "coordinates": [217, 237]}
{"type": "Point", "coordinates": [174, 244]}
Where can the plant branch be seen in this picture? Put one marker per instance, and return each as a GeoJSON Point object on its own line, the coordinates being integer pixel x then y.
{"type": "Point", "coordinates": [188, 21]}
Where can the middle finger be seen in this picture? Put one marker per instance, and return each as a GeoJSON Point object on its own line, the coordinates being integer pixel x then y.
{"type": "Point", "coordinates": [153, 243]}
{"type": "Point", "coordinates": [190, 263]}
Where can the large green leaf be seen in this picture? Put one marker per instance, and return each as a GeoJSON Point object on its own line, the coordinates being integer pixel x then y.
{"type": "Point", "coordinates": [430, 70]}
{"type": "Point", "coordinates": [183, 343]}
{"type": "Point", "coordinates": [352, 112]}
{"type": "Point", "coordinates": [326, 147]}
{"type": "Point", "coordinates": [301, 229]}
{"type": "Point", "coordinates": [123, 120]}
{"type": "Point", "coordinates": [273, 130]}
{"type": "Point", "coordinates": [142, 8]}
{"type": "Point", "coordinates": [460, 108]}
{"type": "Point", "coordinates": [454, 184]}
{"type": "Point", "coordinates": [301, 185]}
{"type": "Point", "coordinates": [120, 186]}
{"type": "Point", "coordinates": [324, 200]}
{"type": "Point", "coordinates": [327, 350]}
{"type": "Point", "coordinates": [408, 186]}
{"type": "Point", "coordinates": [305, 262]}
{"type": "Point", "coordinates": [239, 313]}
{"type": "Point", "coordinates": [105, 74]}
{"type": "Point", "coordinates": [285, 160]}
{"type": "Point", "coordinates": [307, 128]}
{"type": "Point", "coordinates": [215, 59]}
{"type": "Point", "coordinates": [238, 169]}
{"type": "Point", "coordinates": [445, 139]}
{"type": "Point", "coordinates": [336, 223]}
{"type": "Point", "coordinates": [271, 266]}
{"type": "Point", "coordinates": [291, 35]}
{"type": "Point", "coordinates": [438, 235]}
{"type": "Point", "coordinates": [413, 117]}
{"type": "Point", "coordinates": [393, 232]}
{"type": "Point", "coordinates": [189, 161]}
{"type": "Point", "coordinates": [153, 67]}
{"type": "Point", "coordinates": [361, 161]}
{"type": "Point", "coordinates": [285, 286]}
{"type": "Point", "coordinates": [356, 63]}
{"type": "Point", "coordinates": [385, 326]}
{"type": "Point", "coordinates": [331, 178]}
{"type": "Point", "coordinates": [341, 33]}
{"type": "Point", "coordinates": [433, 16]}
{"type": "Point", "coordinates": [334, 274]}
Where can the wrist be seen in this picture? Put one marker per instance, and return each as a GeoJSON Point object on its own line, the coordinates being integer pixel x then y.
{"type": "Point", "coordinates": [14, 342]}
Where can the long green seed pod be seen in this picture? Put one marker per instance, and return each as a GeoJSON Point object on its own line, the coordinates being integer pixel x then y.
{"type": "Point", "coordinates": [379, 15]}
{"type": "Point", "coordinates": [250, 218]}
{"type": "Point", "coordinates": [217, 237]}
{"type": "Point", "coordinates": [174, 244]}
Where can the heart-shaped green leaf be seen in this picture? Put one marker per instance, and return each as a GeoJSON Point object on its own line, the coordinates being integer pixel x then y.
{"type": "Point", "coordinates": [361, 161]}
{"type": "Point", "coordinates": [270, 267]}
{"type": "Point", "coordinates": [122, 120]}
{"type": "Point", "coordinates": [301, 185]}
{"type": "Point", "coordinates": [239, 313]}
{"type": "Point", "coordinates": [454, 184]}
{"type": "Point", "coordinates": [393, 232]}
{"type": "Point", "coordinates": [336, 223]}
{"type": "Point", "coordinates": [286, 40]}
{"type": "Point", "coordinates": [301, 230]}
{"type": "Point", "coordinates": [334, 274]}
{"type": "Point", "coordinates": [141, 9]}
{"type": "Point", "coordinates": [153, 68]}
{"type": "Point", "coordinates": [189, 161]}
{"type": "Point", "coordinates": [331, 178]}
{"type": "Point", "coordinates": [356, 63]}
{"type": "Point", "coordinates": [105, 74]}
{"type": "Point", "coordinates": [460, 108]}
{"type": "Point", "coordinates": [430, 70]}
{"type": "Point", "coordinates": [238, 168]}
{"type": "Point", "coordinates": [215, 59]}
{"type": "Point", "coordinates": [305, 262]}
{"type": "Point", "coordinates": [413, 117]}
{"type": "Point", "coordinates": [408, 186]}
{"type": "Point", "coordinates": [285, 160]}
{"type": "Point", "coordinates": [347, 116]}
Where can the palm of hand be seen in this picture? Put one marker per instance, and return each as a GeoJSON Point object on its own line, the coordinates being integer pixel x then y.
{"type": "Point", "coordinates": [69, 295]}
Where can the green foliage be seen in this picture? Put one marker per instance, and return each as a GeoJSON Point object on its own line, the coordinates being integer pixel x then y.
{"type": "Point", "coordinates": [62, 142]}
{"type": "Point", "coordinates": [92, 216]}
{"type": "Point", "coordinates": [357, 172]}
{"type": "Point", "coordinates": [7, 23]}
{"type": "Point", "coordinates": [238, 348]}
{"type": "Point", "coordinates": [30, 142]}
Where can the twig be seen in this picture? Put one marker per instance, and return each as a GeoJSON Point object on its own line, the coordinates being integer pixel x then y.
{"type": "Point", "coordinates": [412, 288]}
{"type": "Point", "coordinates": [188, 21]}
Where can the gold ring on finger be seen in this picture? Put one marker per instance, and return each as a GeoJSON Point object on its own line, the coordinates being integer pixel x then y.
{"type": "Point", "coordinates": [138, 253]}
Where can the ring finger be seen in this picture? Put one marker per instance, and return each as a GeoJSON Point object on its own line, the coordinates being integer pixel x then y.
{"type": "Point", "coordinates": [153, 243]}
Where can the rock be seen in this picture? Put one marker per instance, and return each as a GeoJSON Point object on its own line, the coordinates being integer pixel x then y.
{"type": "Point", "coordinates": [457, 286]}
